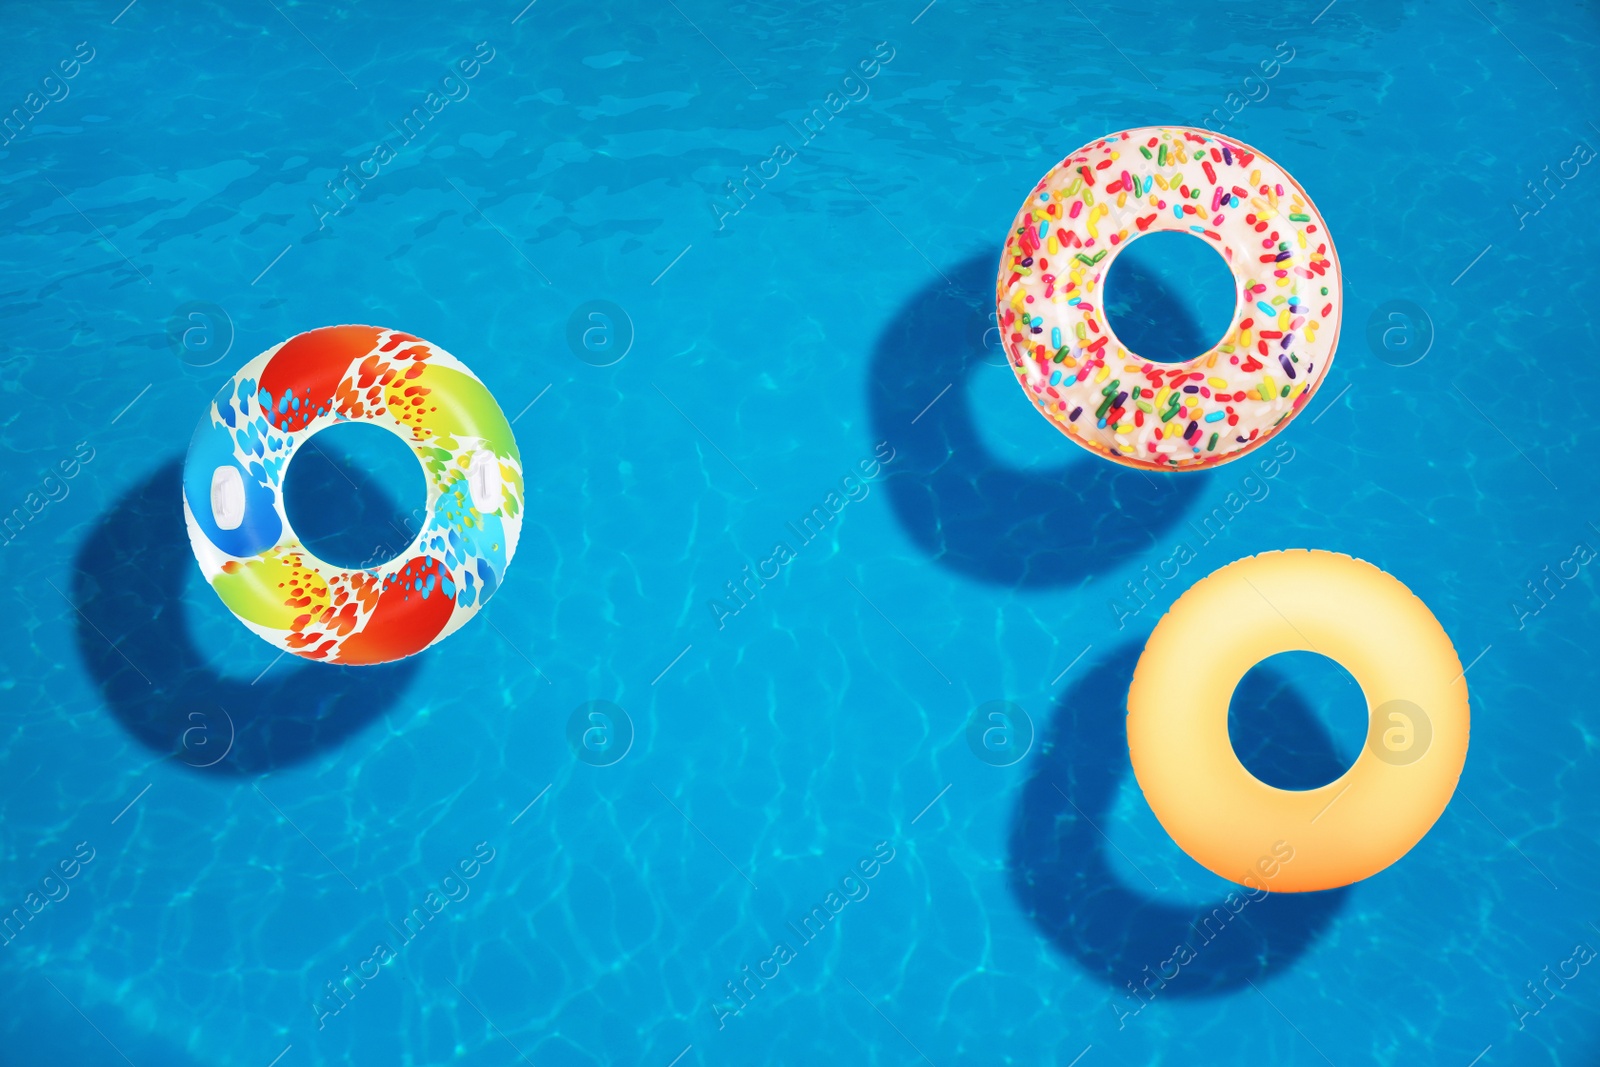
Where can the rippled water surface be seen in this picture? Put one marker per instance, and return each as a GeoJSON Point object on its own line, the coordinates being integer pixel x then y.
{"type": "Point", "coordinates": [243, 833]}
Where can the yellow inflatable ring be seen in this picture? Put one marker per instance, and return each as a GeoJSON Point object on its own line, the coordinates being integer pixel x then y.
{"type": "Point", "coordinates": [1298, 840]}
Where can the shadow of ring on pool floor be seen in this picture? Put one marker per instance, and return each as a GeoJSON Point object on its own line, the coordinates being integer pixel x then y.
{"type": "Point", "coordinates": [128, 584]}
{"type": "Point", "coordinates": [1062, 876]}
{"type": "Point", "coordinates": [971, 513]}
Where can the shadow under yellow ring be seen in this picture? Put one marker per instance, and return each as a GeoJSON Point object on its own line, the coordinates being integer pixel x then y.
{"type": "Point", "coordinates": [1224, 817]}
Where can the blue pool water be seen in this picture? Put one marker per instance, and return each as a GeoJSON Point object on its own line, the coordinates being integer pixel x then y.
{"type": "Point", "coordinates": [242, 833]}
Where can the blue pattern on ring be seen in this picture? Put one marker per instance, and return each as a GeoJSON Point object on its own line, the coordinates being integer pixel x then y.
{"type": "Point", "coordinates": [210, 448]}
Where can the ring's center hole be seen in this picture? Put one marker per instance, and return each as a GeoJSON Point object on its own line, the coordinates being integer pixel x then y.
{"type": "Point", "coordinates": [1169, 296]}
{"type": "Point", "coordinates": [355, 495]}
{"type": "Point", "coordinates": [1297, 720]}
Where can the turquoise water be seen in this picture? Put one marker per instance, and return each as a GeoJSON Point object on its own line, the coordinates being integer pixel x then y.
{"type": "Point", "coordinates": [243, 832]}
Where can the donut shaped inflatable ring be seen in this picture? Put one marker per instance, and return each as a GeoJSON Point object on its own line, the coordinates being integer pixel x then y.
{"type": "Point", "coordinates": [233, 494]}
{"type": "Point", "coordinates": [1222, 403]}
{"type": "Point", "coordinates": [1298, 840]}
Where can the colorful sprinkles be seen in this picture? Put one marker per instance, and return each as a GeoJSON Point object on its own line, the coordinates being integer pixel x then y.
{"type": "Point", "coordinates": [1222, 403]}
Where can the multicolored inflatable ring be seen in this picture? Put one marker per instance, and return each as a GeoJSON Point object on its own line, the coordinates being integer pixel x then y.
{"type": "Point", "coordinates": [233, 494]}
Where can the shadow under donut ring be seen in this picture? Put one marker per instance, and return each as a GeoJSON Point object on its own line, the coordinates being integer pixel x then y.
{"type": "Point", "coordinates": [1222, 403]}
{"type": "Point", "coordinates": [1311, 601]}
{"type": "Point", "coordinates": [233, 494]}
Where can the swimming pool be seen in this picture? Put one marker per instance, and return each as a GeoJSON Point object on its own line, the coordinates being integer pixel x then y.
{"type": "Point", "coordinates": [774, 844]}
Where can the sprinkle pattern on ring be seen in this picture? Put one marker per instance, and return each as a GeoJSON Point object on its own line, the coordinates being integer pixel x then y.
{"type": "Point", "coordinates": [1222, 403]}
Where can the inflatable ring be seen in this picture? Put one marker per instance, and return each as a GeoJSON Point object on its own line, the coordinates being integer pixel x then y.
{"type": "Point", "coordinates": [233, 494]}
{"type": "Point", "coordinates": [1222, 403]}
{"type": "Point", "coordinates": [1298, 840]}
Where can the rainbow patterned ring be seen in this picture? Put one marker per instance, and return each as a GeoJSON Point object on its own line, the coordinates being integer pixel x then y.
{"type": "Point", "coordinates": [233, 494]}
{"type": "Point", "coordinates": [1224, 402]}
